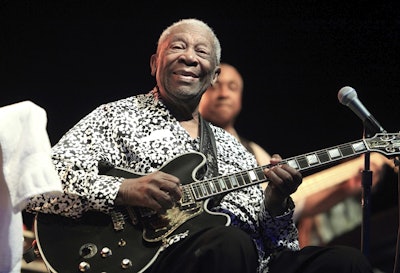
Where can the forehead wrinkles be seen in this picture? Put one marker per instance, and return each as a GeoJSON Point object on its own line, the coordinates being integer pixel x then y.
{"type": "Point", "coordinates": [190, 34]}
{"type": "Point", "coordinates": [189, 38]}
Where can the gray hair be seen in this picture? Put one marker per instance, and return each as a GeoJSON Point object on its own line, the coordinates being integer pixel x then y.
{"type": "Point", "coordinates": [197, 22]}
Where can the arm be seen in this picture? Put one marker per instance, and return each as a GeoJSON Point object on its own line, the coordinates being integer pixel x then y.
{"type": "Point", "coordinates": [76, 158]}
{"type": "Point", "coordinates": [262, 156]}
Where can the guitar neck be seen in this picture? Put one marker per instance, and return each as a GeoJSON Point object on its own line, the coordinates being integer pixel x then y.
{"type": "Point", "coordinates": [335, 175]}
{"type": "Point", "coordinates": [383, 143]}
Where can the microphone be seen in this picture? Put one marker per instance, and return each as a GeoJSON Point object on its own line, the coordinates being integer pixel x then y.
{"type": "Point", "coordinates": [348, 96]}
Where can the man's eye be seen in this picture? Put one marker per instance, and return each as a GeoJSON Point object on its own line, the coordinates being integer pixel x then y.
{"type": "Point", "coordinates": [202, 51]}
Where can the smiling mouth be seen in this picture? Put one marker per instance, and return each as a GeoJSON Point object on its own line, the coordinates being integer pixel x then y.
{"type": "Point", "coordinates": [186, 78]}
{"type": "Point", "coordinates": [186, 74]}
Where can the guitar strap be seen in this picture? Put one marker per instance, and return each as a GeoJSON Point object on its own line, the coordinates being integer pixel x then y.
{"type": "Point", "coordinates": [208, 148]}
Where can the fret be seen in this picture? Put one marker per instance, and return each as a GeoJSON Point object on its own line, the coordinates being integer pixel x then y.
{"type": "Point", "coordinates": [207, 186]}
{"type": "Point", "coordinates": [293, 163]}
{"type": "Point", "coordinates": [302, 161]}
{"type": "Point", "coordinates": [195, 189]}
{"type": "Point", "coordinates": [212, 186]}
{"type": "Point", "coordinates": [312, 159]}
{"type": "Point", "coordinates": [222, 183]}
{"type": "Point", "coordinates": [246, 177]}
{"type": "Point", "coordinates": [217, 185]}
{"type": "Point", "coordinates": [359, 146]}
{"type": "Point", "coordinates": [323, 156]}
{"type": "Point", "coordinates": [252, 175]}
{"type": "Point", "coordinates": [334, 153]}
{"type": "Point", "coordinates": [347, 150]}
{"type": "Point", "coordinates": [240, 179]}
{"type": "Point", "coordinates": [228, 182]}
{"type": "Point", "coordinates": [203, 189]}
{"type": "Point", "coordinates": [260, 174]}
{"type": "Point", "coordinates": [233, 181]}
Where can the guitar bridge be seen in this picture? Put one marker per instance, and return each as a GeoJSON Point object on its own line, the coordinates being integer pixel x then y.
{"type": "Point", "coordinates": [118, 220]}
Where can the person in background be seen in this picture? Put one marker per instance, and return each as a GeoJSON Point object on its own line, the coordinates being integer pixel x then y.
{"type": "Point", "coordinates": [222, 104]}
{"type": "Point", "coordinates": [143, 132]}
{"type": "Point", "coordinates": [327, 202]}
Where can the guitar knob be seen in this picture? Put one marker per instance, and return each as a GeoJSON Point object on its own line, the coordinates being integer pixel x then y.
{"type": "Point", "coordinates": [84, 266]}
{"type": "Point", "coordinates": [106, 252]}
{"type": "Point", "coordinates": [88, 250]}
{"type": "Point", "coordinates": [126, 263]}
{"type": "Point", "coordinates": [122, 242]}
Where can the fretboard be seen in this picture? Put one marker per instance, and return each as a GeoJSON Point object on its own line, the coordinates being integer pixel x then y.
{"type": "Point", "coordinates": [224, 184]}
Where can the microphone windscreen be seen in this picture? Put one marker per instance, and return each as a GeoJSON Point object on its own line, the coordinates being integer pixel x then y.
{"type": "Point", "coordinates": [346, 95]}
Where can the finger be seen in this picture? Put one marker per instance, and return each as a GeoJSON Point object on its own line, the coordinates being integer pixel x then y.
{"type": "Point", "coordinates": [170, 192]}
{"type": "Point", "coordinates": [151, 203]}
{"type": "Point", "coordinates": [168, 177]}
{"type": "Point", "coordinates": [163, 199]}
{"type": "Point", "coordinates": [171, 185]}
{"type": "Point", "coordinates": [275, 158]}
{"type": "Point", "coordinates": [276, 180]}
{"type": "Point", "coordinates": [283, 180]}
{"type": "Point", "coordinates": [296, 176]}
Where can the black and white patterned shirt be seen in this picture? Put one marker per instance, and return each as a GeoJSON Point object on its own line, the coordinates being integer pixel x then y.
{"type": "Point", "coordinates": [140, 134]}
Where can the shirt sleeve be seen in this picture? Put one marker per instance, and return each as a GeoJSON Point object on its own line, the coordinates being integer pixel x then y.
{"type": "Point", "coordinates": [280, 231]}
{"type": "Point", "coordinates": [76, 158]}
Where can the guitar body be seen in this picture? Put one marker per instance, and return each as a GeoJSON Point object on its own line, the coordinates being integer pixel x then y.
{"type": "Point", "coordinates": [130, 239]}
{"type": "Point", "coordinates": [64, 243]}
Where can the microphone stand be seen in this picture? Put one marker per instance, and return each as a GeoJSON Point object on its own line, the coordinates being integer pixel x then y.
{"type": "Point", "coordinates": [396, 267]}
{"type": "Point", "coordinates": [366, 183]}
{"type": "Point", "coordinates": [371, 127]}
{"type": "Point", "coordinates": [366, 206]}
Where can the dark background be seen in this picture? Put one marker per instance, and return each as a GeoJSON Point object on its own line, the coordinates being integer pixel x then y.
{"type": "Point", "coordinates": [70, 56]}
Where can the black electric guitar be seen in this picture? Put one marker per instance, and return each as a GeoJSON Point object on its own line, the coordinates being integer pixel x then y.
{"type": "Point", "coordinates": [130, 239]}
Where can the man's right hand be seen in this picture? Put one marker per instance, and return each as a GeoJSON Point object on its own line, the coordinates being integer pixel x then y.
{"type": "Point", "coordinates": [158, 191]}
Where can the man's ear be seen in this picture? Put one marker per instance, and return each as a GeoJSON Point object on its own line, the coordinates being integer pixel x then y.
{"type": "Point", "coordinates": [153, 64]}
{"type": "Point", "coordinates": [215, 76]}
